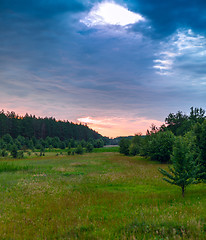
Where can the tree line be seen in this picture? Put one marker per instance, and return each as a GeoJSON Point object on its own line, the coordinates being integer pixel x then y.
{"type": "Point", "coordinates": [29, 126]}
{"type": "Point", "coordinates": [181, 140]}
{"type": "Point", "coordinates": [21, 133]}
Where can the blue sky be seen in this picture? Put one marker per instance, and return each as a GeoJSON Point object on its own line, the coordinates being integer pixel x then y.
{"type": "Point", "coordinates": [117, 65]}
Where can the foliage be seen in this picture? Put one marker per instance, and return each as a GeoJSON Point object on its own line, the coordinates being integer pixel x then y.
{"type": "Point", "coordinates": [20, 154]}
{"type": "Point", "coordinates": [28, 126]}
{"type": "Point", "coordinates": [135, 145]}
{"type": "Point", "coordinates": [124, 146]}
{"type": "Point", "coordinates": [79, 149]}
{"type": "Point", "coordinates": [14, 151]}
{"type": "Point", "coordinates": [159, 146]}
{"type": "Point", "coordinates": [200, 140]}
{"type": "Point", "coordinates": [98, 143]}
{"type": "Point", "coordinates": [134, 149]}
{"type": "Point", "coordinates": [3, 153]}
{"type": "Point", "coordinates": [183, 171]}
{"type": "Point", "coordinates": [89, 147]}
{"type": "Point", "coordinates": [180, 123]}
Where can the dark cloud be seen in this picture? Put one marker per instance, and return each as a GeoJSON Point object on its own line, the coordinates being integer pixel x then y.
{"type": "Point", "coordinates": [40, 8]}
{"type": "Point", "coordinates": [166, 16]}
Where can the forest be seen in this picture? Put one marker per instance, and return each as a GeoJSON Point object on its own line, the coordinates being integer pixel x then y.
{"type": "Point", "coordinates": [20, 134]}
{"type": "Point", "coordinates": [29, 126]}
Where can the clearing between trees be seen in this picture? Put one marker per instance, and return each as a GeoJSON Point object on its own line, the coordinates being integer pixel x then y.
{"type": "Point", "coordinates": [102, 195]}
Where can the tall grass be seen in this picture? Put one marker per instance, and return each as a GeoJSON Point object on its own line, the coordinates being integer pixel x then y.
{"type": "Point", "coordinates": [10, 167]}
{"type": "Point", "coordinates": [97, 196]}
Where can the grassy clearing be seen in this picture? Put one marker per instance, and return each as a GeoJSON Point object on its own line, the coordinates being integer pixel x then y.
{"type": "Point", "coordinates": [106, 149]}
{"type": "Point", "coordinates": [96, 196]}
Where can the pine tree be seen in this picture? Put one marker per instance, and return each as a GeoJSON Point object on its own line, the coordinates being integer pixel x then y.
{"type": "Point", "coordinates": [89, 147]}
{"type": "Point", "coordinates": [184, 169]}
{"type": "Point", "coordinates": [79, 149]}
{"type": "Point", "coordinates": [14, 151]}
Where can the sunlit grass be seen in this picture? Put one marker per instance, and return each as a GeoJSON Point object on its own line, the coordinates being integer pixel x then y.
{"type": "Point", "coordinates": [96, 196]}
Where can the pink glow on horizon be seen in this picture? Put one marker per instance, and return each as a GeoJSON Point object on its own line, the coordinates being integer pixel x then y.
{"type": "Point", "coordinates": [114, 127]}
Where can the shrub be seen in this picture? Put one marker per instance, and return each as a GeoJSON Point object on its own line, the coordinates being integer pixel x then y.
{"type": "Point", "coordinates": [160, 145]}
{"type": "Point", "coordinates": [20, 154]}
{"type": "Point", "coordinates": [79, 149]}
{"type": "Point", "coordinates": [133, 149]}
{"type": "Point", "coordinates": [89, 147]}
{"type": "Point", "coordinates": [124, 146]}
{"type": "Point", "coordinates": [3, 153]}
{"type": "Point", "coordinates": [14, 151]}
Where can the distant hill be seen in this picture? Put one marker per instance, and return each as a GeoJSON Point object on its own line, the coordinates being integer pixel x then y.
{"type": "Point", "coordinates": [30, 126]}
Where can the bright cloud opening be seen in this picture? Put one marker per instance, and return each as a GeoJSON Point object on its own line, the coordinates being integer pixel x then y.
{"type": "Point", "coordinates": [111, 13]}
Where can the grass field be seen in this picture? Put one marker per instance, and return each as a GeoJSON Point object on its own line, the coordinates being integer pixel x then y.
{"type": "Point", "coordinates": [101, 195]}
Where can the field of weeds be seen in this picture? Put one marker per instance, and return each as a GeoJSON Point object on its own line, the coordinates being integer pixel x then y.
{"type": "Point", "coordinates": [96, 196]}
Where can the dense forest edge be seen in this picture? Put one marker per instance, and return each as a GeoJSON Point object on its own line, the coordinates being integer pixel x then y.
{"type": "Point", "coordinates": [30, 126]}
{"type": "Point", "coordinates": [20, 134]}
{"type": "Point", "coordinates": [181, 141]}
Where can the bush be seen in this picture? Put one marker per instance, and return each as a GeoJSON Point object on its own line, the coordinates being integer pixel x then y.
{"type": "Point", "coordinates": [14, 151]}
{"type": "Point", "coordinates": [160, 146]}
{"type": "Point", "coordinates": [89, 147]}
{"type": "Point", "coordinates": [124, 146]}
{"type": "Point", "coordinates": [133, 149]}
{"type": "Point", "coordinates": [20, 154]}
{"type": "Point", "coordinates": [135, 145]}
{"type": "Point", "coordinates": [79, 149]}
{"type": "Point", "coordinates": [98, 143]}
{"type": "Point", "coordinates": [3, 153]}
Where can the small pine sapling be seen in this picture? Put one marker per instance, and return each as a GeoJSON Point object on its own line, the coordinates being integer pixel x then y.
{"type": "Point", "coordinates": [184, 169]}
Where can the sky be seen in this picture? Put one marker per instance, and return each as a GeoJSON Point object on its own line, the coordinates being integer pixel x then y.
{"type": "Point", "coordinates": [117, 66]}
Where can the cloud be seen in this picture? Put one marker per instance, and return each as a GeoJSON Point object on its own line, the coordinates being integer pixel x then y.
{"type": "Point", "coordinates": [183, 44]}
{"type": "Point", "coordinates": [110, 13]}
{"type": "Point", "coordinates": [166, 17]}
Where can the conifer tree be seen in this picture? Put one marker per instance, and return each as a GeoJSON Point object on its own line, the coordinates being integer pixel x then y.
{"type": "Point", "coordinates": [14, 151]}
{"type": "Point", "coordinates": [184, 169]}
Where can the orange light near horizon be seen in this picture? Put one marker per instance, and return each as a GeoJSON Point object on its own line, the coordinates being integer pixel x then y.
{"type": "Point", "coordinates": [114, 127]}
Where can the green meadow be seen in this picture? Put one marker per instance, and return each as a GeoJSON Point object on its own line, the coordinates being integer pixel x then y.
{"type": "Point", "coordinates": [100, 195]}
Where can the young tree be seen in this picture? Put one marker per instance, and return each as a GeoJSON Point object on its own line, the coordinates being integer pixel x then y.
{"type": "Point", "coordinates": [98, 143]}
{"type": "Point", "coordinates": [79, 149]}
{"type": "Point", "coordinates": [160, 145]}
{"type": "Point", "coordinates": [124, 146]}
{"type": "Point", "coordinates": [14, 151]}
{"type": "Point", "coordinates": [135, 145]}
{"type": "Point", "coordinates": [184, 170]}
{"type": "Point", "coordinates": [89, 147]}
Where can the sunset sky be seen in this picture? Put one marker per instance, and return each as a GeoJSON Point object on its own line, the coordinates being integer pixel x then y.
{"type": "Point", "coordinates": [118, 66]}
